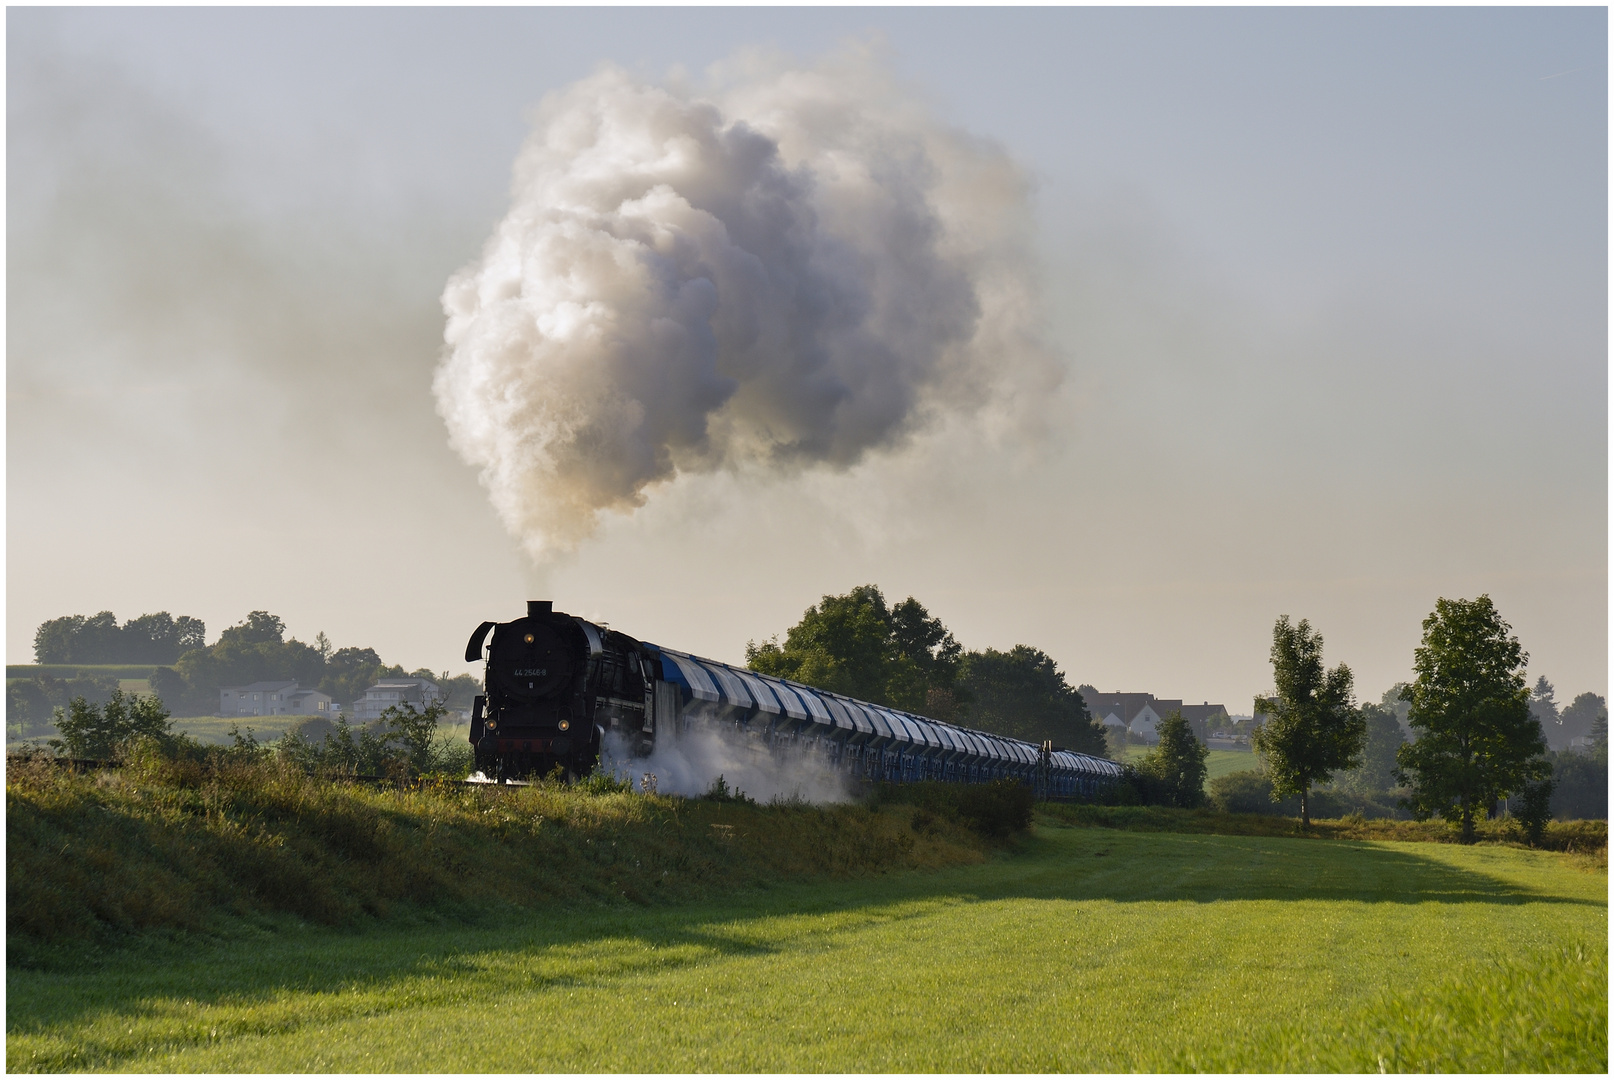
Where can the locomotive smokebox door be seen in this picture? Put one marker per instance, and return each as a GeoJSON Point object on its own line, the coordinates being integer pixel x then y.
{"type": "Point", "coordinates": [534, 659]}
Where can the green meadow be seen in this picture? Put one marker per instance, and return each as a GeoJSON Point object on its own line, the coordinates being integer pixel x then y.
{"type": "Point", "coordinates": [1077, 948]}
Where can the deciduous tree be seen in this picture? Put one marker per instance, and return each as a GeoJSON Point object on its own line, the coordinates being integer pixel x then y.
{"type": "Point", "coordinates": [1023, 694]}
{"type": "Point", "coordinates": [1470, 708]}
{"type": "Point", "coordinates": [859, 646]}
{"type": "Point", "coordinates": [1175, 768]}
{"type": "Point", "coordinates": [1375, 774]}
{"type": "Point", "coordinates": [1312, 728]}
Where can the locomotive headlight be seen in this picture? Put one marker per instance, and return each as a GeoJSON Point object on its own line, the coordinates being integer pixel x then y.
{"type": "Point", "coordinates": [493, 725]}
{"type": "Point", "coordinates": [565, 725]}
{"type": "Point", "coordinates": [528, 639]}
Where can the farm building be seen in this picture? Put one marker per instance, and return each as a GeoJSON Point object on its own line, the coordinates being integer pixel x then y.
{"type": "Point", "coordinates": [388, 693]}
{"type": "Point", "coordinates": [284, 698]}
{"type": "Point", "coordinates": [1140, 714]}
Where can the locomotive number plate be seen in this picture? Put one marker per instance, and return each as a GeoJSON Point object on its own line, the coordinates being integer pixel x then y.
{"type": "Point", "coordinates": [532, 673]}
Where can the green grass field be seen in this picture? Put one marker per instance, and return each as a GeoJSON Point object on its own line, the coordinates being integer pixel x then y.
{"type": "Point", "coordinates": [1218, 763]}
{"type": "Point", "coordinates": [1085, 949]}
{"type": "Point", "coordinates": [68, 671]}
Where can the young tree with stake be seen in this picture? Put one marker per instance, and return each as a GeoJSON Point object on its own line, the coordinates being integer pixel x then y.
{"type": "Point", "coordinates": [1477, 741]}
{"type": "Point", "coordinates": [1313, 728]}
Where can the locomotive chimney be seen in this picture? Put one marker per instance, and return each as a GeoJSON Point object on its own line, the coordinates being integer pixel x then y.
{"type": "Point", "coordinates": [536, 608]}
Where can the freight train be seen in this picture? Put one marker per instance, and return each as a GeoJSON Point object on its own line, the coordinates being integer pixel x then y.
{"type": "Point", "coordinates": [557, 687]}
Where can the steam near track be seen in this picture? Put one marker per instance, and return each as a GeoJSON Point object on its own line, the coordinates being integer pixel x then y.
{"type": "Point", "coordinates": [793, 268]}
{"type": "Point", "coordinates": [689, 765]}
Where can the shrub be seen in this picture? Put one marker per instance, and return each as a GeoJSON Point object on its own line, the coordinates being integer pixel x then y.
{"type": "Point", "coordinates": [719, 792]}
{"type": "Point", "coordinates": [409, 744]}
{"type": "Point", "coordinates": [999, 808]}
{"type": "Point", "coordinates": [996, 809]}
{"type": "Point", "coordinates": [1534, 809]}
{"type": "Point", "coordinates": [1248, 792]}
{"type": "Point", "coordinates": [417, 731]}
{"type": "Point", "coordinates": [90, 731]}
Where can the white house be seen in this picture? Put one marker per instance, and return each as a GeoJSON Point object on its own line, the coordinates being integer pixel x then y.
{"type": "Point", "coordinates": [1143, 724]}
{"type": "Point", "coordinates": [284, 698]}
{"type": "Point", "coordinates": [388, 693]}
{"type": "Point", "coordinates": [1135, 713]}
{"type": "Point", "coordinates": [1140, 714]}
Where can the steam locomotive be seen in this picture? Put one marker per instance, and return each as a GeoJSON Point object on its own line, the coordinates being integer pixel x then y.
{"type": "Point", "coordinates": [557, 687]}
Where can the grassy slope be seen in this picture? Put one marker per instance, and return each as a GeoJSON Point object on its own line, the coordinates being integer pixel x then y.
{"type": "Point", "coordinates": [190, 846]}
{"type": "Point", "coordinates": [1089, 949]}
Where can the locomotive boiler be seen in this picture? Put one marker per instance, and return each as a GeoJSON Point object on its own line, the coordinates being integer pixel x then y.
{"type": "Point", "coordinates": [557, 687]}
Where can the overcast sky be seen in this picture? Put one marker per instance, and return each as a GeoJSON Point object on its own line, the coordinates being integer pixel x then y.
{"type": "Point", "coordinates": [1328, 289]}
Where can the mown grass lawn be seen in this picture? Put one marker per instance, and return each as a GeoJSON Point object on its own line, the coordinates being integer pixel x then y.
{"type": "Point", "coordinates": [1085, 950]}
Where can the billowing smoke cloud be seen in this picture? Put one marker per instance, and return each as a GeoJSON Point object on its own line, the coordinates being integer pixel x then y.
{"type": "Point", "coordinates": [792, 270]}
{"type": "Point", "coordinates": [689, 764]}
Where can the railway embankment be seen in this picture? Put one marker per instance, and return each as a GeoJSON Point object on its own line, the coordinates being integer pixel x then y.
{"type": "Point", "coordinates": [155, 845]}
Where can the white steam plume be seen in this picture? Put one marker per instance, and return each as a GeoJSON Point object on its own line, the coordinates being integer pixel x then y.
{"type": "Point", "coordinates": [792, 270]}
{"type": "Point", "coordinates": [688, 764]}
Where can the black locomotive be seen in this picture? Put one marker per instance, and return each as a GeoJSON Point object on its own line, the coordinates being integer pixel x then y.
{"type": "Point", "coordinates": [558, 687]}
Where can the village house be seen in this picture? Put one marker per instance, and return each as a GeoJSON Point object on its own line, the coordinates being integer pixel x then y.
{"type": "Point", "coordinates": [284, 698]}
{"type": "Point", "coordinates": [1139, 715]}
{"type": "Point", "coordinates": [390, 693]}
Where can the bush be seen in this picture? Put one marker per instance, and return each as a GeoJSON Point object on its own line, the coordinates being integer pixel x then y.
{"type": "Point", "coordinates": [996, 809]}
{"type": "Point", "coordinates": [999, 808]}
{"type": "Point", "coordinates": [718, 792]}
{"type": "Point", "coordinates": [1123, 792]}
{"type": "Point", "coordinates": [1248, 792]}
{"type": "Point", "coordinates": [90, 731]}
{"type": "Point", "coordinates": [1534, 809]}
{"type": "Point", "coordinates": [408, 744]}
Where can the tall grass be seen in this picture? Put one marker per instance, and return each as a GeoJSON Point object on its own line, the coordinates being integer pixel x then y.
{"type": "Point", "coordinates": [162, 844]}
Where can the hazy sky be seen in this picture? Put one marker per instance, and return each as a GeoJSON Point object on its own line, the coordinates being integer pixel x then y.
{"type": "Point", "coordinates": [1328, 289]}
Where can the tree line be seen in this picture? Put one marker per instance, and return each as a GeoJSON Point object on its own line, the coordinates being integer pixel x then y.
{"type": "Point", "coordinates": [254, 650]}
{"type": "Point", "coordinates": [902, 657]}
{"type": "Point", "coordinates": [257, 650]}
{"type": "Point", "coordinates": [156, 638]}
{"type": "Point", "coordinates": [405, 743]}
{"type": "Point", "coordinates": [1478, 745]}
